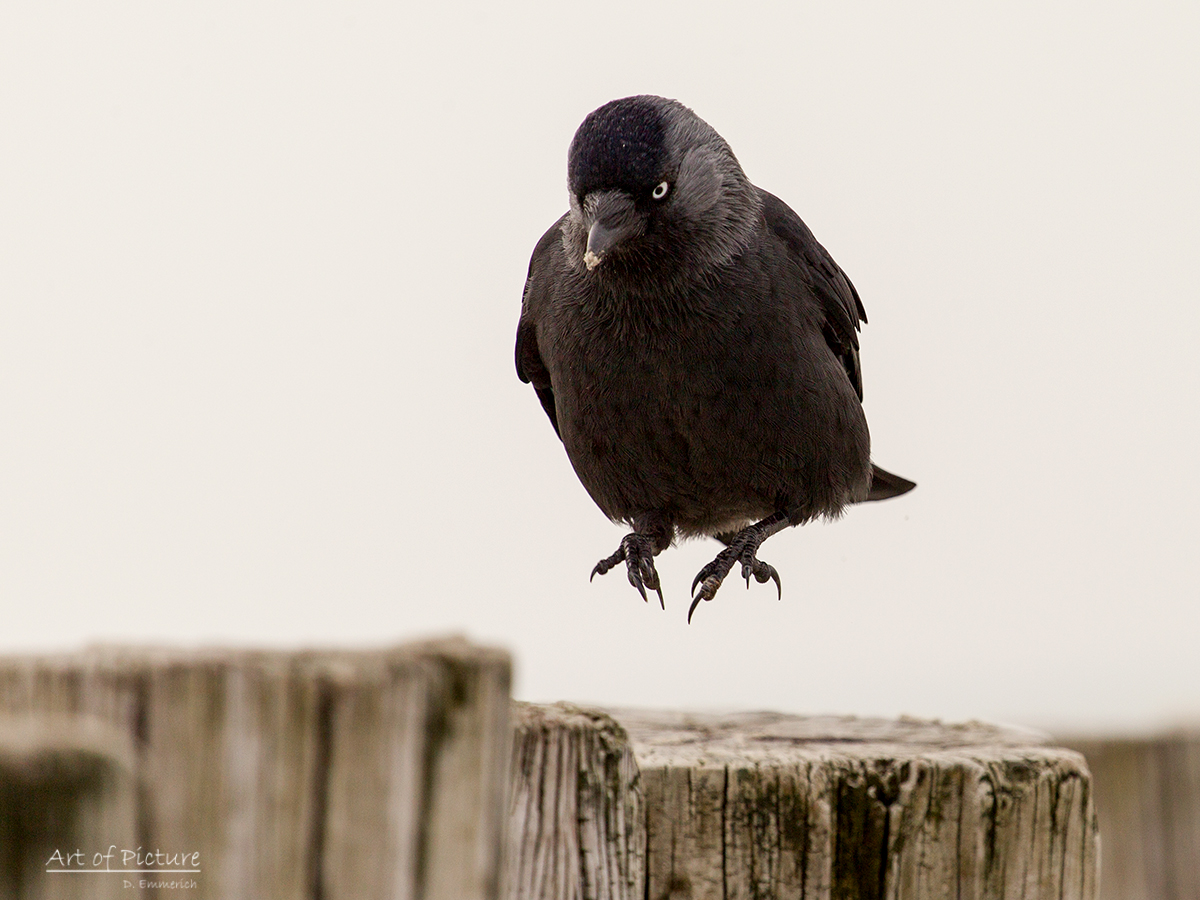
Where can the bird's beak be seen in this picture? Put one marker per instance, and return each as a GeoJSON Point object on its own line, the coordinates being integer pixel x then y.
{"type": "Point", "coordinates": [611, 219]}
{"type": "Point", "coordinates": [600, 239]}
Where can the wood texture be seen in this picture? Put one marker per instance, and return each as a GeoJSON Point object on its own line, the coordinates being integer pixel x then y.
{"type": "Point", "coordinates": [761, 805]}
{"type": "Point", "coordinates": [417, 775]}
{"type": "Point", "coordinates": [765, 805]}
{"type": "Point", "coordinates": [301, 775]}
{"type": "Point", "coordinates": [1148, 802]}
{"type": "Point", "coordinates": [64, 785]}
{"type": "Point", "coordinates": [575, 808]}
{"type": "Point", "coordinates": [333, 775]}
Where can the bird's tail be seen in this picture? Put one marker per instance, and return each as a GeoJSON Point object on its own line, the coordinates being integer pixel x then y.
{"type": "Point", "coordinates": [885, 485]}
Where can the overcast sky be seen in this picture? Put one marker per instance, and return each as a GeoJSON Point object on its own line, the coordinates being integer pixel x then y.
{"type": "Point", "coordinates": [260, 272]}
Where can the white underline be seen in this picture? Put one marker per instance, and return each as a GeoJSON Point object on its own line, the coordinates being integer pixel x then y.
{"type": "Point", "coordinates": [135, 871]}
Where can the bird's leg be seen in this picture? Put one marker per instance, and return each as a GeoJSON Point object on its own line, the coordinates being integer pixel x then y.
{"type": "Point", "coordinates": [741, 547]}
{"type": "Point", "coordinates": [651, 535]}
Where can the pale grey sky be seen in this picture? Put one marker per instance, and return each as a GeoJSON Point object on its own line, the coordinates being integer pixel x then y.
{"type": "Point", "coordinates": [260, 271]}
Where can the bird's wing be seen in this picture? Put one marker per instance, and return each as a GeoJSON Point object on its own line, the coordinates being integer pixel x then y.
{"type": "Point", "coordinates": [840, 305]}
{"type": "Point", "coordinates": [530, 367]}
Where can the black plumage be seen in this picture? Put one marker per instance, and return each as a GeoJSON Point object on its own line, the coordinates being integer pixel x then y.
{"type": "Point", "coordinates": [694, 346]}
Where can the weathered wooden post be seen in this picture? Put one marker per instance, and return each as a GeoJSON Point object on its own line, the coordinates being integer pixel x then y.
{"type": "Point", "coordinates": [64, 785]}
{"type": "Point", "coordinates": [761, 805]}
{"type": "Point", "coordinates": [1148, 802]}
{"type": "Point", "coordinates": [327, 775]}
{"type": "Point", "coordinates": [358, 775]}
{"type": "Point", "coordinates": [576, 820]}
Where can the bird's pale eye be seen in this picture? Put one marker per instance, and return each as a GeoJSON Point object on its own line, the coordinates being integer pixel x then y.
{"type": "Point", "coordinates": [661, 191]}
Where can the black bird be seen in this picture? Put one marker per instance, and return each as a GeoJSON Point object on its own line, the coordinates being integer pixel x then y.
{"type": "Point", "coordinates": [694, 346]}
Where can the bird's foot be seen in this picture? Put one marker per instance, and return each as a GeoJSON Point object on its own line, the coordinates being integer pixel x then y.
{"type": "Point", "coordinates": [743, 548]}
{"type": "Point", "coordinates": [637, 550]}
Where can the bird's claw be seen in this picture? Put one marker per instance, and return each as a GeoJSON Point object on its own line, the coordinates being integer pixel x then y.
{"type": "Point", "coordinates": [708, 590]}
{"type": "Point", "coordinates": [762, 572]}
{"type": "Point", "coordinates": [711, 577]}
{"type": "Point", "coordinates": [638, 553]}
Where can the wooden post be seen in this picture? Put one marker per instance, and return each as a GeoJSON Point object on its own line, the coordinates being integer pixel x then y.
{"type": "Point", "coordinates": [418, 764]}
{"type": "Point", "coordinates": [1148, 801]}
{"type": "Point", "coordinates": [64, 785]}
{"type": "Point", "coordinates": [304, 775]}
{"type": "Point", "coordinates": [575, 812]}
{"type": "Point", "coordinates": [383, 774]}
{"type": "Point", "coordinates": [761, 805]}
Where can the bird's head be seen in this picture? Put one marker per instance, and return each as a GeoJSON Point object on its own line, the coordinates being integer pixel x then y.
{"type": "Point", "coordinates": [655, 192]}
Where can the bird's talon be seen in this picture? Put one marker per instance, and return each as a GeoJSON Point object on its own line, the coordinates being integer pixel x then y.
{"type": "Point", "coordinates": [768, 573]}
{"type": "Point", "coordinates": [650, 577]}
{"type": "Point", "coordinates": [635, 579]}
{"type": "Point", "coordinates": [764, 572]}
{"type": "Point", "coordinates": [740, 548]}
{"type": "Point", "coordinates": [637, 551]}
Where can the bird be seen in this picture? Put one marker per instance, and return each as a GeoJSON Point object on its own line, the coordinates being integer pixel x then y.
{"type": "Point", "coordinates": [694, 347]}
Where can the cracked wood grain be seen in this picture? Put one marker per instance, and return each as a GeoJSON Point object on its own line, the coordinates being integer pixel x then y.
{"type": "Point", "coordinates": [575, 808]}
{"type": "Point", "coordinates": [761, 805]}
{"type": "Point", "coordinates": [848, 808]}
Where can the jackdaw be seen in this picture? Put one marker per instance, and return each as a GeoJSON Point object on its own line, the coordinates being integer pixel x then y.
{"type": "Point", "coordinates": [695, 348]}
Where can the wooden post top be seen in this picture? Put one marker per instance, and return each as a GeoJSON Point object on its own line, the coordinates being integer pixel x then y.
{"type": "Point", "coordinates": [763, 804]}
{"type": "Point", "coordinates": [662, 737]}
